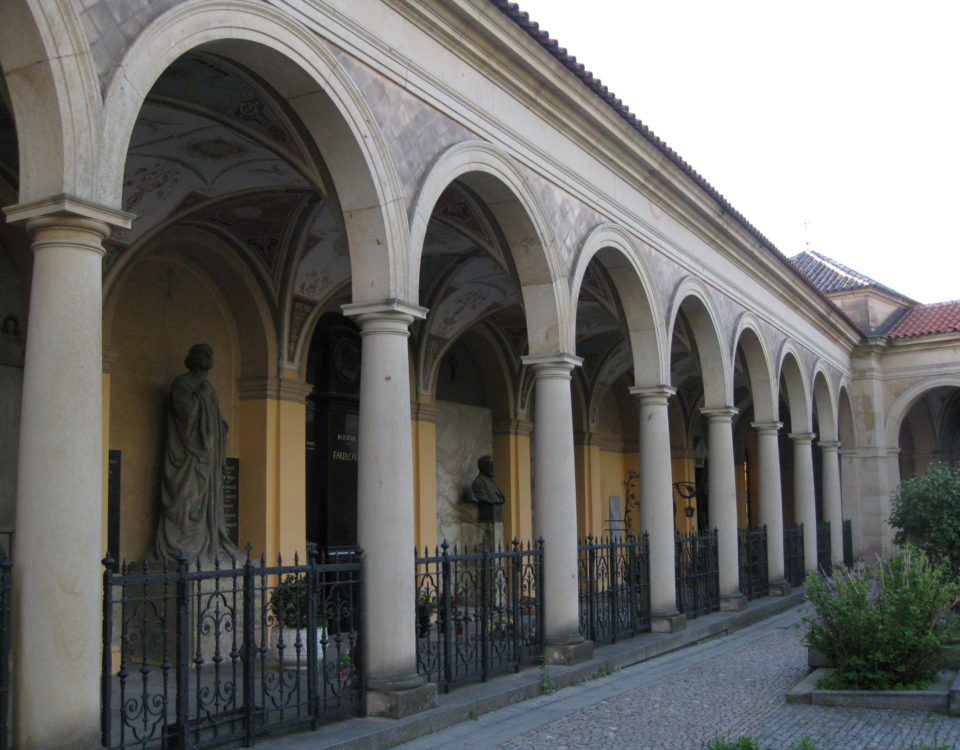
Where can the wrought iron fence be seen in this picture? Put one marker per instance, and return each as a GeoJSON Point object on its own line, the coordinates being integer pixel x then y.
{"type": "Point", "coordinates": [793, 567]}
{"type": "Point", "coordinates": [6, 611]}
{"type": "Point", "coordinates": [478, 613]}
{"type": "Point", "coordinates": [848, 543]}
{"type": "Point", "coordinates": [698, 573]}
{"type": "Point", "coordinates": [752, 550]}
{"type": "Point", "coordinates": [614, 580]}
{"type": "Point", "coordinates": [196, 657]}
{"type": "Point", "coordinates": [824, 549]}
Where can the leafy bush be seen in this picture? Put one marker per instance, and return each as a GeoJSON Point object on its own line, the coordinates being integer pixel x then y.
{"type": "Point", "coordinates": [926, 514]}
{"type": "Point", "coordinates": [883, 628]}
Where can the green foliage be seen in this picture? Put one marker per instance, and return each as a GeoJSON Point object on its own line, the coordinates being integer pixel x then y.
{"type": "Point", "coordinates": [288, 603]}
{"type": "Point", "coordinates": [744, 743]}
{"type": "Point", "coordinates": [883, 628]}
{"type": "Point", "coordinates": [603, 670]}
{"type": "Point", "coordinates": [926, 514]}
{"type": "Point", "coordinates": [547, 683]}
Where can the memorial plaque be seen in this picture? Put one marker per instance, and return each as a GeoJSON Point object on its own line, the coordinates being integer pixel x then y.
{"type": "Point", "coordinates": [113, 504]}
{"type": "Point", "coordinates": [332, 432]}
{"type": "Point", "coordinates": [231, 498]}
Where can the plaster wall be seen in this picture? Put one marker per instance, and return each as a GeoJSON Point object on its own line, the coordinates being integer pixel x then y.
{"type": "Point", "coordinates": [163, 307]}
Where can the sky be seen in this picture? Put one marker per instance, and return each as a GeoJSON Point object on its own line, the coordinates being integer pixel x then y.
{"type": "Point", "coordinates": [830, 125]}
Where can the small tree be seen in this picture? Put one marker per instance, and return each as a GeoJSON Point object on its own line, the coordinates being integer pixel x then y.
{"type": "Point", "coordinates": [926, 514]}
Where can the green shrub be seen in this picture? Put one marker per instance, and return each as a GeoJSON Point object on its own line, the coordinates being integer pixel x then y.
{"type": "Point", "coordinates": [926, 514]}
{"type": "Point", "coordinates": [883, 628]}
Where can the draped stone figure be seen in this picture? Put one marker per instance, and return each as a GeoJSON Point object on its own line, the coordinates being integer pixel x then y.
{"type": "Point", "coordinates": [191, 514]}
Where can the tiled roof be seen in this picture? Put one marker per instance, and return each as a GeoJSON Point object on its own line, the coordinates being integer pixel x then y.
{"type": "Point", "coordinates": [942, 317]}
{"type": "Point", "coordinates": [829, 276]}
{"type": "Point", "coordinates": [512, 11]}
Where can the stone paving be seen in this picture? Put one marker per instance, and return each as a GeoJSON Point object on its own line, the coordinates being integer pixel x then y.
{"type": "Point", "coordinates": [729, 687]}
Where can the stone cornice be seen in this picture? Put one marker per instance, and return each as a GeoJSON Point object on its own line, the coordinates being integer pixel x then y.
{"type": "Point", "coordinates": [276, 389]}
{"type": "Point", "coordinates": [66, 205]}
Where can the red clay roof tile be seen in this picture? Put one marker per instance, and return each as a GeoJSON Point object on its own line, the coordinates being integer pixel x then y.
{"type": "Point", "coordinates": [923, 320]}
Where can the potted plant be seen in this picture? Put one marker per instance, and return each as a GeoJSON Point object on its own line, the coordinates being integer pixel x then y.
{"type": "Point", "coordinates": [426, 607]}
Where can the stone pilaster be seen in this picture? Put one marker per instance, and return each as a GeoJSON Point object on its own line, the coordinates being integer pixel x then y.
{"type": "Point", "coordinates": [385, 510]}
{"type": "Point", "coordinates": [555, 504]}
{"type": "Point", "coordinates": [804, 496]}
{"type": "Point", "coordinates": [722, 493]}
{"type": "Point", "coordinates": [771, 501]}
{"type": "Point", "coordinates": [832, 505]}
{"type": "Point", "coordinates": [656, 505]}
{"type": "Point", "coordinates": [60, 476]}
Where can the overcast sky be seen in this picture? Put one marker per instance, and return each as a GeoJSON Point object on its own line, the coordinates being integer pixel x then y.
{"type": "Point", "coordinates": [839, 115]}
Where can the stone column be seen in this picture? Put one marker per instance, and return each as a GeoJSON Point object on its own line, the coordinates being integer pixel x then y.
{"type": "Point", "coordinates": [771, 502]}
{"type": "Point", "coordinates": [385, 520]}
{"type": "Point", "coordinates": [555, 504]}
{"type": "Point", "coordinates": [722, 495]}
{"type": "Point", "coordinates": [656, 505]}
{"type": "Point", "coordinates": [804, 497]}
{"type": "Point", "coordinates": [832, 506]}
{"type": "Point", "coordinates": [57, 571]}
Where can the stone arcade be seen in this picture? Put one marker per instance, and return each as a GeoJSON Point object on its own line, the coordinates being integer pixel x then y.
{"type": "Point", "coordinates": [414, 233]}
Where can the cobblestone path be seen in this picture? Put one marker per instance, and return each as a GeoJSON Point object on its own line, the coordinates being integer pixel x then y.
{"type": "Point", "coordinates": [729, 687]}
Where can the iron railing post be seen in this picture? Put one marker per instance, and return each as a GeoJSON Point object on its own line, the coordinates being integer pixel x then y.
{"type": "Point", "coordinates": [448, 627]}
{"type": "Point", "coordinates": [249, 650]}
{"type": "Point", "coordinates": [541, 620]}
{"type": "Point", "coordinates": [591, 589]}
{"type": "Point", "coordinates": [516, 560]}
{"type": "Point", "coordinates": [106, 677]}
{"type": "Point", "coordinates": [181, 647]}
{"type": "Point", "coordinates": [313, 592]}
{"type": "Point", "coordinates": [633, 587]}
{"type": "Point", "coordinates": [612, 578]}
{"type": "Point", "coordinates": [484, 614]}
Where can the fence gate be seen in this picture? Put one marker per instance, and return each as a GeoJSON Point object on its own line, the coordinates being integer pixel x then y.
{"type": "Point", "coordinates": [614, 585]}
{"type": "Point", "coordinates": [196, 657]}
{"type": "Point", "coordinates": [698, 573]}
{"type": "Point", "coordinates": [754, 574]}
{"type": "Point", "coordinates": [478, 613]}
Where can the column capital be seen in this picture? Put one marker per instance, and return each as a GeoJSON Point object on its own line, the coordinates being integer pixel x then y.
{"type": "Point", "coordinates": [767, 427]}
{"type": "Point", "coordinates": [652, 394]}
{"type": "Point", "coordinates": [512, 427]}
{"type": "Point", "coordinates": [829, 445]}
{"type": "Point", "coordinates": [388, 309]}
{"type": "Point", "coordinates": [558, 364]}
{"type": "Point", "coordinates": [67, 209]}
{"type": "Point", "coordinates": [802, 437]}
{"type": "Point", "coordinates": [720, 414]}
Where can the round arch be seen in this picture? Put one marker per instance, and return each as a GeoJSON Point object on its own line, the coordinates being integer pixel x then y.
{"type": "Point", "coordinates": [825, 404]}
{"type": "Point", "coordinates": [492, 174]}
{"type": "Point", "coordinates": [303, 72]}
{"type": "Point", "coordinates": [618, 251]}
{"type": "Point", "coordinates": [797, 396]}
{"type": "Point", "coordinates": [55, 98]}
{"type": "Point", "coordinates": [899, 408]}
{"type": "Point", "coordinates": [243, 295]}
{"type": "Point", "coordinates": [715, 364]}
{"type": "Point", "coordinates": [845, 427]}
{"type": "Point", "coordinates": [762, 384]}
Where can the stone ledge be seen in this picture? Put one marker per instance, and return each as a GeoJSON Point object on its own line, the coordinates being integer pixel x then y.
{"type": "Point", "coordinates": [942, 695]}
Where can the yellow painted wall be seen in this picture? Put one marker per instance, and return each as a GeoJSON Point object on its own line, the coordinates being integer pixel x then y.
{"type": "Point", "coordinates": [425, 482]}
{"type": "Point", "coordinates": [163, 307]}
{"type": "Point", "coordinates": [511, 456]}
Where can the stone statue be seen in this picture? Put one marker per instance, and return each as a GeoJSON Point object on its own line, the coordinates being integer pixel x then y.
{"type": "Point", "coordinates": [191, 494]}
{"type": "Point", "coordinates": [486, 494]}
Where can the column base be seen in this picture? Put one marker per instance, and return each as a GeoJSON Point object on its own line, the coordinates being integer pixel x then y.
{"type": "Point", "coordinates": [732, 602]}
{"type": "Point", "coordinates": [667, 622]}
{"type": "Point", "coordinates": [779, 588]}
{"type": "Point", "coordinates": [398, 704]}
{"type": "Point", "coordinates": [565, 654]}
